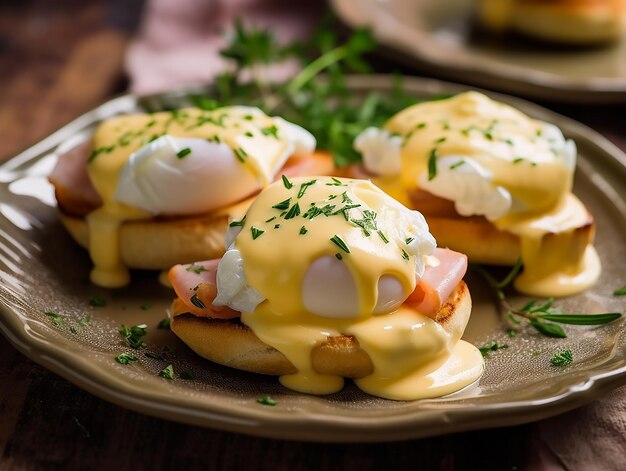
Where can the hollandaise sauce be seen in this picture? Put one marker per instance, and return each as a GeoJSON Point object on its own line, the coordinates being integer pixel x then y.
{"type": "Point", "coordinates": [252, 136]}
{"type": "Point", "coordinates": [360, 230]}
{"type": "Point", "coordinates": [526, 163]}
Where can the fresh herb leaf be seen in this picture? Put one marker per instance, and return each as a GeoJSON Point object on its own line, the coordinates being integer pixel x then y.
{"type": "Point", "coordinates": [134, 335]}
{"type": "Point", "coordinates": [125, 358]}
{"type": "Point", "coordinates": [335, 182]}
{"type": "Point", "coordinates": [266, 400]}
{"type": "Point", "coordinates": [54, 317]}
{"type": "Point", "coordinates": [547, 328]}
{"type": "Point", "coordinates": [270, 131]}
{"type": "Point", "coordinates": [181, 154]}
{"type": "Point", "coordinates": [580, 319]}
{"type": "Point", "coordinates": [287, 183]}
{"type": "Point", "coordinates": [293, 211]}
{"type": "Point", "coordinates": [164, 324]}
{"type": "Point", "coordinates": [97, 301]}
{"type": "Point", "coordinates": [283, 204]}
{"type": "Point", "coordinates": [256, 233]}
{"type": "Point", "coordinates": [303, 230]}
{"type": "Point", "coordinates": [620, 291]}
{"type": "Point", "coordinates": [304, 187]}
{"type": "Point", "coordinates": [167, 372]}
{"type": "Point", "coordinates": [563, 358]}
{"type": "Point", "coordinates": [338, 241]}
{"type": "Point", "coordinates": [197, 302]}
{"type": "Point", "coordinates": [491, 347]}
{"type": "Point", "coordinates": [432, 164]}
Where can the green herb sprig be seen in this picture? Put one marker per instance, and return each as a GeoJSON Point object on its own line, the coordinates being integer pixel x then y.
{"type": "Point", "coordinates": [542, 316]}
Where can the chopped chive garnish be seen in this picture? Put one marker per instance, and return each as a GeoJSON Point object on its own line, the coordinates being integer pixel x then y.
{"type": "Point", "coordinates": [509, 142]}
{"type": "Point", "coordinates": [248, 134]}
{"type": "Point", "coordinates": [266, 400]}
{"type": "Point", "coordinates": [517, 160]}
{"type": "Point", "coordinates": [256, 232]}
{"type": "Point", "coordinates": [304, 187]}
{"type": "Point", "coordinates": [620, 291]}
{"type": "Point", "coordinates": [293, 211]}
{"type": "Point", "coordinates": [457, 164]}
{"type": "Point", "coordinates": [276, 226]}
{"type": "Point", "coordinates": [271, 219]}
{"type": "Point", "coordinates": [408, 240]}
{"type": "Point", "coordinates": [238, 223]}
{"type": "Point", "coordinates": [248, 117]}
{"type": "Point", "coordinates": [338, 256]}
{"type": "Point", "coordinates": [181, 154]}
{"type": "Point", "coordinates": [241, 154]}
{"type": "Point", "coordinates": [488, 135]}
{"type": "Point", "coordinates": [287, 183]}
{"type": "Point", "coordinates": [283, 204]}
{"type": "Point", "coordinates": [432, 164]}
{"type": "Point", "coordinates": [336, 182]}
{"type": "Point", "coordinates": [303, 230]}
{"type": "Point", "coordinates": [197, 302]}
{"type": "Point", "coordinates": [270, 131]}
{"type": "Point", "coordinates": [338, 241]}
{"type": "Point", "coordinates": [405, 255]}
{"type": "Point", "coordinates": [383, 237]}
{"type": "Point", "coordinates": [440, 140]}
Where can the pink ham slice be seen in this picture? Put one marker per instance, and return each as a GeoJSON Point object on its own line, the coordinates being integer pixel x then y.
{"type": "Point", "coordinates": [73, 187]}
{"type": "Point", "coordinates": [438, 282]}
{"type": "Point", "coordinates": [195, 285]}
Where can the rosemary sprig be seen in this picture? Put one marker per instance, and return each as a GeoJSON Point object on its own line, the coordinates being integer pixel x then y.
{"type": "Point", "coordinates": [542, 316]}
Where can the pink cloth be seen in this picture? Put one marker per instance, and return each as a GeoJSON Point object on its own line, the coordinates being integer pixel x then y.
{"type": "Point", "coordinates": [178, 45]}
{"type": "Point", "coordinates": [179, 41]}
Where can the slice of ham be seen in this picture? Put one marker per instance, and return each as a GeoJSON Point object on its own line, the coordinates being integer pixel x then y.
{"type": "Point", "coordinates": [438, 282]}
{"type": "Point", "coordinates": [195, 285]}
{"type": "Point", "coordinates": [432, 291]}
{"type": "Point", "coordinates": [74, 191]}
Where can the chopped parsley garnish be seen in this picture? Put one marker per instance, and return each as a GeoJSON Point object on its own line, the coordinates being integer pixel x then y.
{"type": "Point", "coordinates": [54, 317]}
{"type": "Point", "coordinates": [491, 347]}
{"type": "Point", "coordinates": [167, 372]}
{"type": "Point", "coordinates": [270, 131]}
{"type": "Point", "coordinates": [125, 358]}
{"type": "Point", "coordinates": [134, 335]}
{"type": "Point", "coordinates": [266, 400]}
{"type": "Point", "coordinates": [405, 255]}
{"type": "Point", "coordinates": [276, 226]}
{"type": "Point", "coordinates": [563, 358]}
{"type": "Point", "coordinates": [620, 291]}
{"type": "Point", "coordinates": [338, 241]}
{"type": "Point", "coordinates": [287, 183]}
{"type": "Point", "coordinates": [432, 164]}
{"type": "Point", "coordinates": [164, 324]}
{"type": "Point", "coordinates": [457, 164]}
{"type": "Point", "coordinates": [383, 237]}
{"type": "Point", "coordinates": [303, 230]}
{"type": "Point", "coordinates": [197, 302]}
{"type": "Point", "coordinates": [97, 301]}
{"type": "Point", "coordinates": [283, 204]}
{"type": "Point", "coordinates": [256, 233]}
{"type": "Point", "coordinates": [511, 332]}
{"type": "Point", "coordinates": [293, 211]}
{"type": "Point", "coordinates": [186, 375]}
{"type": "Point", "coordinates": [304, 187]}
{"type": "Point", "coordinates": [85, 321]}
{"type": "Point", "coordinates": [238, 223]}
{"type": "Point", "coordinates": [241, 154]}
{"type": "Point", "coordinates": [181, 154]}
{"type": "Point", "coordinates": [196, 268]}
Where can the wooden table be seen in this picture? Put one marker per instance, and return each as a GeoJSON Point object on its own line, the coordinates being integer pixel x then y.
{"type": "Point", "coordinates": [57, 60]}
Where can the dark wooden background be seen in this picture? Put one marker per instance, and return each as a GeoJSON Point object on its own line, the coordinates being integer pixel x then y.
{"type": "Point", "coordinates": [57, 60]}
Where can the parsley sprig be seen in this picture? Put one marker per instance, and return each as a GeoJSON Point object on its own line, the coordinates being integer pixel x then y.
{"type": "Point", "coordinates": [542, 316]}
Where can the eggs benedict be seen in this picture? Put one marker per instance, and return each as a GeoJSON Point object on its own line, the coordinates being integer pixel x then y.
{"type": "Point", "coordinates": [152, 190]}
{"type": "Point", "coordinates": [326, 278]}
{"type": "Point", "coordinates": [564, 21]}
{"type": "Point", "coordinates": [492, 183]}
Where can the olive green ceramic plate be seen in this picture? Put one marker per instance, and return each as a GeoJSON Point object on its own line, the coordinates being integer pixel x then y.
{"type": "Point", "coordinates": [41, 270]}
{"type": "Point", "coordinates": [441, 37]}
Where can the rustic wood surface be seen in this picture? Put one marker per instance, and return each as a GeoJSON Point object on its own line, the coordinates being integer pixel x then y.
{"type": "Point", "coordinates": [57, 60]}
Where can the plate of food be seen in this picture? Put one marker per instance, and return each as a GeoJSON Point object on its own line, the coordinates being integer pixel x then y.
{"type": "Point", "coordinates": [565, 50]}
{"type": "Point", "coordinates": [248, 257]}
